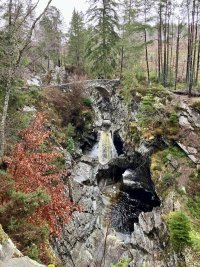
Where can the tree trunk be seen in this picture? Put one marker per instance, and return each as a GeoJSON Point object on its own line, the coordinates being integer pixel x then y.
{"type": "Point", "coordinates": [160, 58]}
{"type": "Point", "coordinates": [195, 45]}
{"type": "Point", "coordinates": [145, 41]}
{"type": "Point", "coordinates": [146, 55]}
{"type": "Point", "coordinates": [188, 47]}
{"type": "Point", "coordinates": [165, 49]}
{"type": "Point", "coordinates": [168, 50]}
{"type": "Point", "coordinates": [171, 62]}
{"type": "Point", "coordinates": [159, 72]}
{"type": "Point", "coordinates": [190, 74]}
{"type": "Point", "coordinates": [3, 119]}
{"type": "Point", "coordinates": [121, 61]}
{"type": "Point", "coordinates": [177, 54]}
{"type": "Point", "coordinates": [198, 60]}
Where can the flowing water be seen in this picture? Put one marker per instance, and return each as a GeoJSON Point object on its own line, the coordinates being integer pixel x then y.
{"type": "Point", "coordinates": [125, 192]}
{"type": "Point", "coordinates": [127, 207]}
{"type": "Point", "coordinates": [107, 149]}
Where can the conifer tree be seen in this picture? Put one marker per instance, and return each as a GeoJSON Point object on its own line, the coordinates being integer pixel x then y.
{"type": "Point", "coordinates": [51, 36]}
{"type": "Point", "coordinates": [102, 45]}
{"type": "Point", "coordinates": [76, 43]}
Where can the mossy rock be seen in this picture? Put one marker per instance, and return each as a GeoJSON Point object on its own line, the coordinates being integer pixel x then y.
{"type": "Point", "coordinates": [196, 105]}
{"type": "Point", "coordinates": [172, 130]}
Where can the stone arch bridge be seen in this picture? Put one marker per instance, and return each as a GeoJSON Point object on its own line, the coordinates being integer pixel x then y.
{"type": "Point", "coordinates": [105, 86]}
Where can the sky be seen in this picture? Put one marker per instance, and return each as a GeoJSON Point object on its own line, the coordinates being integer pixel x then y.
{"type": "Point", "coordinates": [66, 7]}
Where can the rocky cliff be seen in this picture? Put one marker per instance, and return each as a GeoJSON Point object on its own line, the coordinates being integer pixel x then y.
{"type": "Point", "coordinates": [122, 213]}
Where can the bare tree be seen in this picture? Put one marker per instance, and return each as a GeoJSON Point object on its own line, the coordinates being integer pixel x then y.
{"type": "Point", "coordinates": [15, 40]}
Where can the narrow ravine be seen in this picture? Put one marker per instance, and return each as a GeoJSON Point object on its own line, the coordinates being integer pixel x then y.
{"type": "Point", "coordinates": [114, 188]}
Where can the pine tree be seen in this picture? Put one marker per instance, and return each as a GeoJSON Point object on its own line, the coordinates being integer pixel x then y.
{"type": "Point", "coordinates": [144, 10]}
{"type": "Point", "coordinates": [51, 36]}
{"type": "Point", "coordinates": [102, 45]}
{"type": "Point", "coordinates": [76, 43]}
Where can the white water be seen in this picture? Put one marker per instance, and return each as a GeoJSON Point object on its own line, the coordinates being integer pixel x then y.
{"type": "Point", "coordinates": [107, 149]}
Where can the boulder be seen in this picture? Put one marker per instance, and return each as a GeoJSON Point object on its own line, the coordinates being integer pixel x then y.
{"type": "Point", "coordinates": [174, 163]}
{"type": "Point", "coordinates": [21, 262]}
{"type": "Point", "coordinates": [82, 173]}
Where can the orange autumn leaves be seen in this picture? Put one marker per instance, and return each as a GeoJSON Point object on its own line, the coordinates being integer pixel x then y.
{"type": "Point", "coordinates": [32, 169]}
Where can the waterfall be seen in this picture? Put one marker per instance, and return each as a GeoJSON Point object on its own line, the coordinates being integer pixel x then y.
{"type": "Point", "coordinates": [107, 149]}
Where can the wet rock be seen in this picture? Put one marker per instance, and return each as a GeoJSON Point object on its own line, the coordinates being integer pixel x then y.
{"type": "Point", "coordinates": [106, 123]}
{"type": "Point", "coordinates": [120, 161]}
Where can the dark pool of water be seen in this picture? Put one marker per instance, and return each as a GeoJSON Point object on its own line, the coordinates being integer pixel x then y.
{"type": "Point", "coordinates": [127, 207]}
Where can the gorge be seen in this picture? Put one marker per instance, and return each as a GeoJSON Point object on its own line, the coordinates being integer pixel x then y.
{"type": "Point", "coordinates": [121, 215]}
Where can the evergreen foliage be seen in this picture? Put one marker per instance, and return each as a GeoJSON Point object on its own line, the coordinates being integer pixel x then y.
{"type": "Point", "coordinates": [76, 42]}
{"type": "Point", "coordinates": [179, 230]}
{"type": "Point", "coordinates": [102, 45]}
{"type": "Point", "coordinates": [51, 36]}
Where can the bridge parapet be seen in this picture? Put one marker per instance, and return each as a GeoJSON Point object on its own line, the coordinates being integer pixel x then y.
{"type": "Point", "coordinates": [108, 85]}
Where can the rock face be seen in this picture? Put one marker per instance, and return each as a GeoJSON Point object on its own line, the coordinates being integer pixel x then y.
{"type": "Point", "coordinates": [147, 238]}
{"type": "Point", "coordinates": [189, 137]}
{"type": "Point", "coordinates": [121, 214]}
{"type": "Point", "coordinates": [10, 256]}
{"type": "Point", "coordinates": [20, 262]}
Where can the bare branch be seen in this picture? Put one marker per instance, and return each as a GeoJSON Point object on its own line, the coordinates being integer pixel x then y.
{"type": "Point", "coordinates": [10, 13]}
{"type": "Point", "coordinates": [28, 13]}
{"type": "Point", "coordinates": [29, 35]}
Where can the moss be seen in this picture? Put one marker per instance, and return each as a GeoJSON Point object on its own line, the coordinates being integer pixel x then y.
{"type": "Point", "coordinates": [163, 174]}
{"type": "Point", "coordinates": [194, 206]}
{"type": "Point", "coordinates": [122, 263]}
{"type": "Point", "coordinates": [168, 179]}
{"type": "Point", "coordinates": [3, 236]}
{"type": "Point", "coordinates": [87, 102]}
{"type": "Point", "coordinates": [33, 252]}
{"type": "Point", "coordinates": [172, 132]}
{"type": "Point", "coordinates": [196, 105]}
{"type": "Point", "coordinates": [195, 240]}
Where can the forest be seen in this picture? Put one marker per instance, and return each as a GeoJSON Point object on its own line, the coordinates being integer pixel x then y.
{"type": "Point", "coordinates": [99, 126]}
